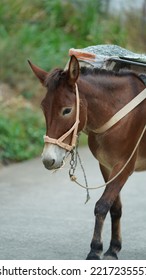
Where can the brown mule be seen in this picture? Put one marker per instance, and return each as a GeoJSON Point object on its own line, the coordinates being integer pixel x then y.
{"type": "Point", "coordinates": [102, 94]}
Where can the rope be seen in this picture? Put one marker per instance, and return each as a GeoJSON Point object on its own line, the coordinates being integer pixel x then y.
{"type": "Point", "coordinates": [85, 178]}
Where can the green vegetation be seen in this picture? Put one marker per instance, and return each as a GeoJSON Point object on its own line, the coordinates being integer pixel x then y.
{"type": "Point", "coordinates": [20, 136]}
{"type": "Point", "coordinates": [43, 31]}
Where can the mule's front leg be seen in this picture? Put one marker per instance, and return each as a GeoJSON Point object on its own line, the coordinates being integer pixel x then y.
{"type": "Point", "coordinates": [115, 244]}
{"type": "Point", "coordinates": [100, 212]}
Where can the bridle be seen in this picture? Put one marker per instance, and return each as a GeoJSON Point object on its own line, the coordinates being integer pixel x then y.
{"type": "Point", "coordinates": [73, 129]}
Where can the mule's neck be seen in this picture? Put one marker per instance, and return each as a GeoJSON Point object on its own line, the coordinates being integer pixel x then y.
{"type": "Point", "coordinates": [103, 96]}
{"type": "Point", "coordinates": [96, 103]}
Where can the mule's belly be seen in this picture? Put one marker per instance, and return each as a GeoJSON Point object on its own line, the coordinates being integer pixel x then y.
{"type": "Point", "coordinates": [110, 155]}
{"type": "Point", "coordinates": [140, 164]}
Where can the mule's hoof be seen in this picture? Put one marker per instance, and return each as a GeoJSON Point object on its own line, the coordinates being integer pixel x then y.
{"type": "Point", "coordinates": [110, 256]}
{"type": "Point", "coordinates": [93, 256]}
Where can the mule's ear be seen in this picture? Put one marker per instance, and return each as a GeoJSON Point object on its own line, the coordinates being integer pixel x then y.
{"type": "Point", "coordinates": [73, 70]}
{"type": "Point", "coordinates": [40, 73]}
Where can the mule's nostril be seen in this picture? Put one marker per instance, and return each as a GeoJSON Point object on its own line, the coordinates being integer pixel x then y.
{"type": "Point", "coordinates": [48, 163]}
{"type": "Point", "coordinates": [53, 161]}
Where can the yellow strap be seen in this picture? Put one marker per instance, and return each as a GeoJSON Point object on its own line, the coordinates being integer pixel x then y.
{"type": "Point", "coordinates": [123, 112]}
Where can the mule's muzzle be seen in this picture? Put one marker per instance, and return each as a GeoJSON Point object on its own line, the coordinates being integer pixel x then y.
{"type": "Point", "coordinates": [53, 156]}
{"type": "Point", "coordinates": [52, 164]}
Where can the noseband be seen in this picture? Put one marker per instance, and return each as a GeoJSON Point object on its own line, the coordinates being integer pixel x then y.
{"type": "Point", "coordinates": [73, 129]}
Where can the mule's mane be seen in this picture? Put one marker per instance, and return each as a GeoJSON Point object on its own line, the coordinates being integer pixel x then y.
{"type": "Point", "coordinates": [58, 76]}
{"type": "Point", "coordinates": [108, 73]}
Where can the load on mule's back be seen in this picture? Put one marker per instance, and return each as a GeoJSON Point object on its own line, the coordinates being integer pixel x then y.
{"type": "Point", "coordinates": [102, 94]}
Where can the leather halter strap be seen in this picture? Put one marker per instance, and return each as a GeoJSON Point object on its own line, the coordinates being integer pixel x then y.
{"type": "Point", "coordinates": [123, 112]}
{"type": "Point", "coordinates": [73, 129]}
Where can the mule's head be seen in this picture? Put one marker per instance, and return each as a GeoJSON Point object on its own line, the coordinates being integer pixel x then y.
{"type": "Point", "coordinates": [59, 108]}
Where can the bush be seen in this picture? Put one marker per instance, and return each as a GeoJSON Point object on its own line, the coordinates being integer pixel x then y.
{"type": "Point", "coordinates": [21, 135]}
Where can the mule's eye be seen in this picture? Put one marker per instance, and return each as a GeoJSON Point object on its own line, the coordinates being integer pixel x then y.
{"type": "Point", "coordinates": [66, 111]}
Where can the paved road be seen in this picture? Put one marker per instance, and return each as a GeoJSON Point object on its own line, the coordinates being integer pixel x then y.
{"type": "Point", "coordinates": [43, 215]}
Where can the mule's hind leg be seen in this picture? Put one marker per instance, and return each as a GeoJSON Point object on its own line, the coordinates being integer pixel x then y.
{"type": "Point", "coordinates": [115, 244]}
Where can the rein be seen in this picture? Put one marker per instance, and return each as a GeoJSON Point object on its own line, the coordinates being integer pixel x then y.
{"type": "Point", "coordinates": [74, 179]}
{"type": "Point", "coordinates": [73, 129]}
